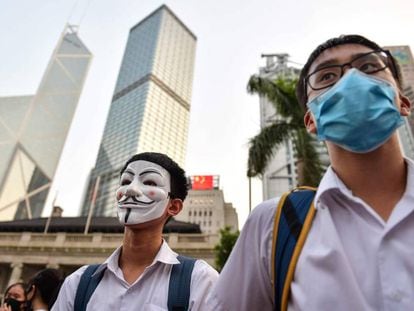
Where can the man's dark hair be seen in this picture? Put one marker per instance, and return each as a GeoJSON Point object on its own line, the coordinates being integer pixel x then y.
{"type": "Point", "coordinates": [179, 187]}
{"type": "Point", "coordinates": [301, 93]}
{"type": "Point", "coordinates": [47, 284]}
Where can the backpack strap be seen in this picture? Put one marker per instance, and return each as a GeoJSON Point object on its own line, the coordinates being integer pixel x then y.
{"type": "Point", "coordinates": [293, 220]}
{"type": "Point", "coordinates": [87, 285]}
{"type": "Point", "coordinates": [180, 282]}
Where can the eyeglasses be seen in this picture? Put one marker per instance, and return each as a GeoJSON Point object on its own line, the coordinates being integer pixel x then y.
{"type": "Point", "coordinates": [368, 63]}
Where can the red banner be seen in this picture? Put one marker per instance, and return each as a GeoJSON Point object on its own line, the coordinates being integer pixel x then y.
{"type": "Point", "coordinates": [202, 182]}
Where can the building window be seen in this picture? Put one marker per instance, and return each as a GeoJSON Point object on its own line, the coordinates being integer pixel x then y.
{"type": "Point", "coordinates": [189, 213]}
{"type": "Point", "coordinates": [211, 213]}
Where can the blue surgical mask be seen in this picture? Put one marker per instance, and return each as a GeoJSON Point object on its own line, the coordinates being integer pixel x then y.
{"type": "Point", "coordinates": [358, 113]}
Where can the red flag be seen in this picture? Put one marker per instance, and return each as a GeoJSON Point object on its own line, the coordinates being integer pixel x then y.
{"type": "Point", "coordinates": [202, 182]}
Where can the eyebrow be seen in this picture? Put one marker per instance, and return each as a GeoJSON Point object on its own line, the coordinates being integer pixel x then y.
{"type": "Point", "coordinates": [129, 172]}
{"type": "Point", "coordinates": [150, 171]}
{"type": "Point", "coordinates": [334, 61]}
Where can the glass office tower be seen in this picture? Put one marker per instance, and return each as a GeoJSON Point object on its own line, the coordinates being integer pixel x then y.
{"type": "Point", "coordinates": [33, 130]}
{"type": "Point", "coordinates": [151, 103]}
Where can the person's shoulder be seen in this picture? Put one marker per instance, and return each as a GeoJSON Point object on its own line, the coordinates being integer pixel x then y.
{"type": "Point", "coordinates": [202, 267]}
{"type": "Point", "coordinates": [74, 277]}
{"type": "Point", "coordinates": [263, 212]}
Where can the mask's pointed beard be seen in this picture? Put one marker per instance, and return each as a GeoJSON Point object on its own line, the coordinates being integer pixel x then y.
{"type": "Point", "coordinates": [127, 215]}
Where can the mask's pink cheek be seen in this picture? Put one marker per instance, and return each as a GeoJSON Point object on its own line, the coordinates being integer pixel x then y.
{"type": "Point", "coordinates": [119, 194]}
{"type": "Point", "coordinates": [156, 194]}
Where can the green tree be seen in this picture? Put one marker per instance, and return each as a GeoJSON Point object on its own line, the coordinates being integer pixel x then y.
{"type": "Point", "coordinates": [227, 240]}
{"type": "Point", "coordinates": [281, 93]}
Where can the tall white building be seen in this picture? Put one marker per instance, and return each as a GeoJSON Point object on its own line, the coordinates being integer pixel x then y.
{"type": "Point", "coordinates": [150, 107]}
{"type": "Point", "coordinates": [33, 129]}
{"type": "Point", "coordinates": [281, 173]}
{"type": "Point", "coordinates": [403, 55]}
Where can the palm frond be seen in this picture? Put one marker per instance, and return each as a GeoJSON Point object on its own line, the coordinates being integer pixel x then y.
{"type": "Point", "coordinates": [263, 145]}
{"type": "Point", "coordinates": [281, 93]}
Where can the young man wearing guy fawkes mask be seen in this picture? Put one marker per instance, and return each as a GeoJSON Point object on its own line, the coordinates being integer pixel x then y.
{"type": "Point", "coordinates": [136, 276]}
{"type": "Point", "coordinates": [358, 253]}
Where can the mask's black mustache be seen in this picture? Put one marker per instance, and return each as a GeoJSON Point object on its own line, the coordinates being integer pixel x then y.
{"type": "Point", "coordinates": [127, 215]}
{"type": "Point", "coordinates": [134, 199]}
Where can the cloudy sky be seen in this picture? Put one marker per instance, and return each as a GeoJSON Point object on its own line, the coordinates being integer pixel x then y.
{"type": "Point", "coordinates": [231, 37]}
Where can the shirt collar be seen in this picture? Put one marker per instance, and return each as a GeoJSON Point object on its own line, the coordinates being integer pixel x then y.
{"type": "Point", "coordinates": [165, 255]}
{"type": "Point", "coordinates": [331, 181]}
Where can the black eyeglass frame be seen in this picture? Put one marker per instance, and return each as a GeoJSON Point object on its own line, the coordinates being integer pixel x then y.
{"type": "Point", "coordinates": [389, 64]}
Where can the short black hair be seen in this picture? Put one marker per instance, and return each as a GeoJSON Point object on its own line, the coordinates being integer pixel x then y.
{"type": "Point", "coordinates": [47, 283]}
{"type": "Point", "coordinates": [179, 184]}
{"type": "Point", "coordinates": [301, 93]}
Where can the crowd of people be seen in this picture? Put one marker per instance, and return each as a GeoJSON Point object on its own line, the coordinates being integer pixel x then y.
{"type": "Point", "coordinates": [347, 245]}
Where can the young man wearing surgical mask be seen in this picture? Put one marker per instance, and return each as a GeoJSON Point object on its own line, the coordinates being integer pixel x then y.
{"type": "Point", "coordinates": [358, 254]}
{"type": "Point", "coordinates": [136, 277]}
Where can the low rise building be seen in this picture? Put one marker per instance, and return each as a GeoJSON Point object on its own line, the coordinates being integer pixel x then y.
{"type": "Point", "coordinates": [25, 248]}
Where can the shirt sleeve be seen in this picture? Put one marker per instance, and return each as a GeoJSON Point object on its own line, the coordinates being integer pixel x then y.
{"type": "Point", "coordinates": [66, 297]}
{"type": "Point", "coordinates": [245, 281]}
{"type": "Point", "coordinates": [203, 278]}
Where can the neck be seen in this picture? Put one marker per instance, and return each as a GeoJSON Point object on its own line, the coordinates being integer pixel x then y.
{"type": "Point", "coordinates": [38, 304]}
{"type": "Point", "coordinates": [378, 177]}
{"type": "Point", "coordinates": [140, 246]}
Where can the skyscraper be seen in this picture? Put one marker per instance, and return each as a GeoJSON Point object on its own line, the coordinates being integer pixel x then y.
{"type": "Point", "coordinates": [33, 129]}
{"type": "Point", "coordinates": [280, 174]}
{"type": "Point", "coordinates": [150, 107]}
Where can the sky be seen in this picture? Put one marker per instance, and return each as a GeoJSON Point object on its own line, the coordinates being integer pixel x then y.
{"type": "Point", "coordinates": [231, 34]}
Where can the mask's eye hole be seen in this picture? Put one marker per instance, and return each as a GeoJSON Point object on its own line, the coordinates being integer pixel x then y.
{"type": "Point", "coordinates": [150, 183]}
{"type": "Point", "coordinates": [125, 182]}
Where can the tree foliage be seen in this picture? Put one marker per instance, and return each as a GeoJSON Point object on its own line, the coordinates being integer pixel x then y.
{"type": "Point", "coordinates": [222, 250]}
{"type": "Point", "coordinates": [286, 124]}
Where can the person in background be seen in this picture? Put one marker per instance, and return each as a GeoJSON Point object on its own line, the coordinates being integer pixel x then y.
{"type": "Point", "coordinates": [43, 288]}
{"type": "Point", "coordinates": [14, 298]}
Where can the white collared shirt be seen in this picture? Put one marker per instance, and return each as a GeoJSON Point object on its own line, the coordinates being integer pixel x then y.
{"type": "Point", "coordinates": [149, 292]}
{"type": "Point", "coordinates": [352, 259]}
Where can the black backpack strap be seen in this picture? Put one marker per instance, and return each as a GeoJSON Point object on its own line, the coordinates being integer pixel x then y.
{"type": "Point", "coordinates": [180, 282]}
{"type": "Point", "coordinates": [87, 286]}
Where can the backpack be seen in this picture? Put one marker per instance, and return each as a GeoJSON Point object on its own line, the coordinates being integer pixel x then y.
{"type": "Point", "coordinates": [178, 290]}
{"type": "Point", "coordinates": [292, 223]}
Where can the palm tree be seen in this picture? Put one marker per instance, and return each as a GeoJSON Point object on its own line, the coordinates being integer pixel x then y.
{"type": "Point", "coordinates": [281, 93]}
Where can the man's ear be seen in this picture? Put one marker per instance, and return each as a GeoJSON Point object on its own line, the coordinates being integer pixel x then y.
{"type": "Point", "coordinates": [405, 105]}
{"type": "Point", "coordinates": [175, 207]}
{"type": "Point", "coordinates": [309, 121]}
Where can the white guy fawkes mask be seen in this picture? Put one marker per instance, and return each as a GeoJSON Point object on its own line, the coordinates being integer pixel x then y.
{"type": "Point", "coordinates": [143, 194]}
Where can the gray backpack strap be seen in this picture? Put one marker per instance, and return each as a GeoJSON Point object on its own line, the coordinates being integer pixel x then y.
{"type": "Point", "coordinates": [180, 282]}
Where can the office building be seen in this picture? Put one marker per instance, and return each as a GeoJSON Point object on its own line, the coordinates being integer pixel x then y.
{"type": "Point", "coordinates": [33, 129]}
{"type": "Point", "coordinates": [281, 173]}
{"type": "Point", "coordinates": [150, 107]}
{"type": "Point", "coordinates": [406, 61]}
{"type": "Point", "coordinates": [206, 207]}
